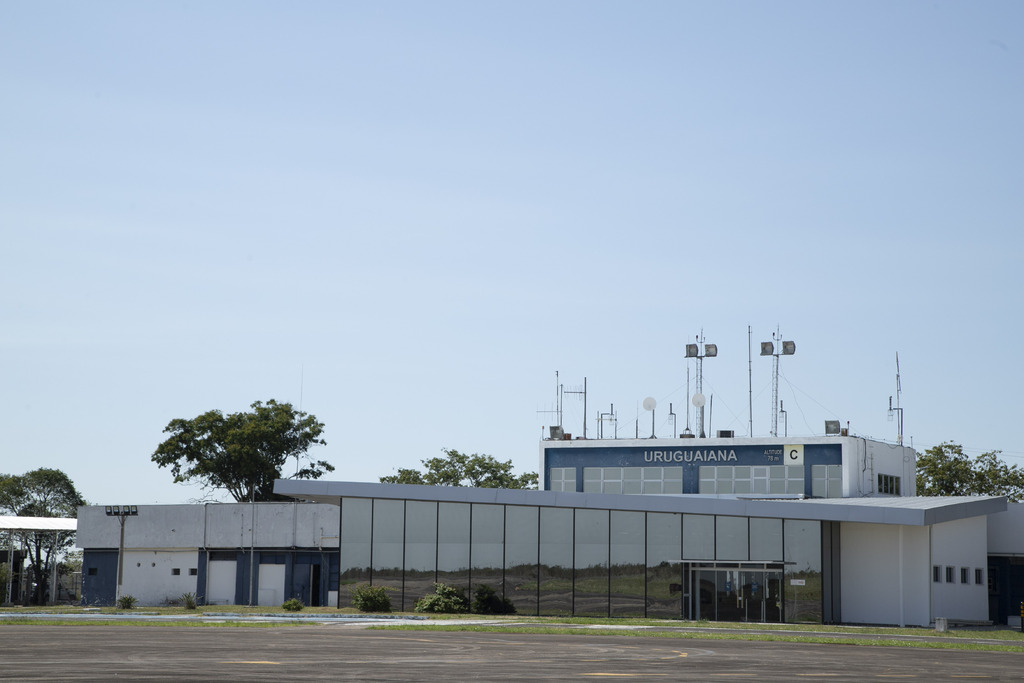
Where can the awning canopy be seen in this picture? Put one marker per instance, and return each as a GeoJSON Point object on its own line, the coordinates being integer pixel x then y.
{"type": "Point", "coordinates": [38, 524]}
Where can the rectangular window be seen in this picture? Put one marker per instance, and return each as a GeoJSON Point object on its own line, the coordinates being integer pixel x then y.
{"type": "Point", "coordinates": [92, 571]}
{"type": "Point", "coordinates": [965, 574]}
{"type": "Point", "coordinates": [176, 572]}
{"type": "Point", "coordinates": [777, 479]}
{"type": "Point", "coordinates": [937, 574]}
{"type": "Point", "coordinates": [562, 479]}
{"type": "Point", "coordinates": [827, 481]}
{"type": "Point", "coordinates": [979, 577]}
{"type": "Point", "coordinates": [889, 484]}
{"type": "Point", "coordinates": [950, 575]}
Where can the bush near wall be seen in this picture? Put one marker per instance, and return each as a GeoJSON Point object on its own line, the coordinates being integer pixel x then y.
{"type": "Point", "coordinates": [444, 600]}
{"type": "Point", "coordinates": [487, 601]}
{"type": "Point", "coordinates": [367, 598]}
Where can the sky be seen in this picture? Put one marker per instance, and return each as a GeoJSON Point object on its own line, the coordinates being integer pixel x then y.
{"type": "Point", "coordinates": [415, 220]}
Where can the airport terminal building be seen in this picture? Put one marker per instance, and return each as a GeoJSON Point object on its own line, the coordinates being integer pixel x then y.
{"type": "Point", "coordinates": [819, 529]}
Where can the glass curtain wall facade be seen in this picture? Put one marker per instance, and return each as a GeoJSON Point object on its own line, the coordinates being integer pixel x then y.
{"type": "Point", "coordinates": [561, 561]}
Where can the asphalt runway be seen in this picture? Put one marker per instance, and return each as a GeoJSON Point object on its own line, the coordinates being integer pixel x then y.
{"type": "Point", "coordinates": [166, 653]}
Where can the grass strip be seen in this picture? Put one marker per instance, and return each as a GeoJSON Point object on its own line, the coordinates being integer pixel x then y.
{"type": "Point", "coordinates": [711, 635]}
{"type": "Point", "coordinates": [26, 621]}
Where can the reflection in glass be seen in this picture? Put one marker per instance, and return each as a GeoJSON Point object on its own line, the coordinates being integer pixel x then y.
{"type": "Point", "coordinates": [731, 538]}
{"type": "Point", "coordinates": [802, 588]}
{"type": "Point", "coordinates": [388, 542]}
{"type": "Point", "coordinates": [354, 550]}
{"type": "Point", "coordinates": [556, 545]}
{"type": "Point", "coordinates": [765, 539]}
{"type": "Point", "coordinates": [705, 585]}
{"type": "Point", "coordinates": [487, 548]}
{"type": "Point", "coordinates": [453, 544]}
{"type": "Point", "coordinates": [698, 537]}
{"type": "Point", "coordinates": [664, 569]}
{"type": "Point", "coordinates": [521, 548]}
{"type": "Point", "coordinates": [773, 596]}
{"type": "Point", "coordinates": [591, 563]}
{"type": "Point", "coordinates": [420, 551]}
{"type": "Point", "coordinates": [627, 569]}
{"type": "Point", "coordinates": [729, 595]}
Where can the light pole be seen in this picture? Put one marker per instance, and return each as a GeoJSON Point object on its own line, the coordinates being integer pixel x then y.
{"type": "Point", "coordinates": [693, 351]}
{"type": "Point", "coordinates": [122, 512]}
{"type": "Point", "coordinates": [787, 348]}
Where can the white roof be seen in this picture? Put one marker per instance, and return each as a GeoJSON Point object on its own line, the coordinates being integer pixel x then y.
{"type": "Point", "coordinates": [38, 524]}
{"type": "Point", "coordinates": [913, 511]}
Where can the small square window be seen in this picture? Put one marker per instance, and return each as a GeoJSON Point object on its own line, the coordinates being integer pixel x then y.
{"type": "Point", "coordinates": [92, 571]}
{"type": "Point", "coordinates": [937, 574]}
{"type": "Point", "coordinates": [193, 571]}
{"type": "Point", "coordinates": [979, 577]}
{"type": "Point", "coordinates": [176, 572]}
{"type": "Point", "coordinates": [950, 575]}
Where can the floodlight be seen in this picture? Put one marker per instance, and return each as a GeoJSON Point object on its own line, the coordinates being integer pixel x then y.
{"type": "Point", "coordinates": [788, 348]}
{"type": "Point", "coordinates": [135, 509]}
{"type": "Point", "coordinates": [691, 351]}
{"type": "Point", "coordinates": [767, 349]}
{"type": "Point", "coordinates": [831, 427]}
{"type": "Point", "coordinates": [109, 510]}
{"type": "Point", "coordinates": [710, 350]}
{"type": "Point", "coordinates": [117, 509]}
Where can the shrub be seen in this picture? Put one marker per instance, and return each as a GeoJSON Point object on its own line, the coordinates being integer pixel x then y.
{"type": "Point", "coordinates": [444, 600]}
{"type": "Point", "coordinates": [487, 601]}
{"type": "Point", "coordinates": [188, 600]}
{"type": "Point", "coordinates": [367, 598]}
{"type": "Point", "coordinates": [292, 605]}
{"type": "Point", "coordinates": [126, 602]}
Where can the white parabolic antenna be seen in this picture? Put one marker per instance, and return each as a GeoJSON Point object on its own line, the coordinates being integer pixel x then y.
{"type": "Point", "coordinates": [697, 400]}
{"type": "Point", "coordinates": [650, 403]}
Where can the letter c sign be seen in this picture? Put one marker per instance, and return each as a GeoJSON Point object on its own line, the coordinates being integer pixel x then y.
{"type": "Point", "coordinates": [794, 455]}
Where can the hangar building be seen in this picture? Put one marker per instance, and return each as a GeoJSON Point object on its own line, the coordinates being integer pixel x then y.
{"type": "Point", "coordinates": [819, 529]}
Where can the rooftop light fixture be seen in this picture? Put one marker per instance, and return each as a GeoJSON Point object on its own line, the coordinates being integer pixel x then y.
{"type": "Point", "coordinates": [787, 348]}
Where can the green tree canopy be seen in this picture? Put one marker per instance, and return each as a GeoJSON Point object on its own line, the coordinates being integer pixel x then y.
{"type": "Point", "coordinates": [945, 470]}
{"type": "Point", "coordinates": [243, 453]}
{"type": "Point", "coordinates": [43, 492]}
{"type": "Point", "coordinates": [459, 469]}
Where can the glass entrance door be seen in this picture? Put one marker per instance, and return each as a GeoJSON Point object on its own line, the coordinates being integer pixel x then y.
{"type": "Point", "coordinates": [735, 594]}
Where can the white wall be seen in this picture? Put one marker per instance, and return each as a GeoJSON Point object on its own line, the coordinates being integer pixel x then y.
{"type": "Point", "coordinates": [872, 577]}
{"type": "Point", "coordinates": [214, 525]}
{"type": "Point", "coordinates": [960, 544]}
{"type": "Point", "coordinates": [864, 460]}
{"type": "Point", "coordinates": [149, 576]}
{"type": "Point", "coordinates": [1006, 531]}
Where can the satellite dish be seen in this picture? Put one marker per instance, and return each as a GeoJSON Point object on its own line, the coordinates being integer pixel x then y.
{"type": "Point", "coordinates": [698, 400]}
{"type": "Point", "coordinates": [650, 403]}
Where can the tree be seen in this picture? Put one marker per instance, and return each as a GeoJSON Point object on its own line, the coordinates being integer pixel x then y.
{"type": "Point", "coordinates": [945, 470]}
{"type": "Point", "coordinates": [243, 453]}
{"type": "Point", "coordinates": [458, 469]}
{"type": "Point", "coordinates": [41, 493]}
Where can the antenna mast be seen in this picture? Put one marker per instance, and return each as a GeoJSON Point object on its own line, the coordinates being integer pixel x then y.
{"type": "Point", "coordinates": [750, 384]}
{"type": "Point", "coordinates": [897, 409]}
{"type": "Point", "coordinates": [607, 417]}
{"type": "Point", "coordinates": [688, 400]}
{"type": "Point", "coordinates": [698, 400]}
{"type": "Point", "coordinates": [582, 393]}
{"type": "Point", "coordinates": [786, 348]}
